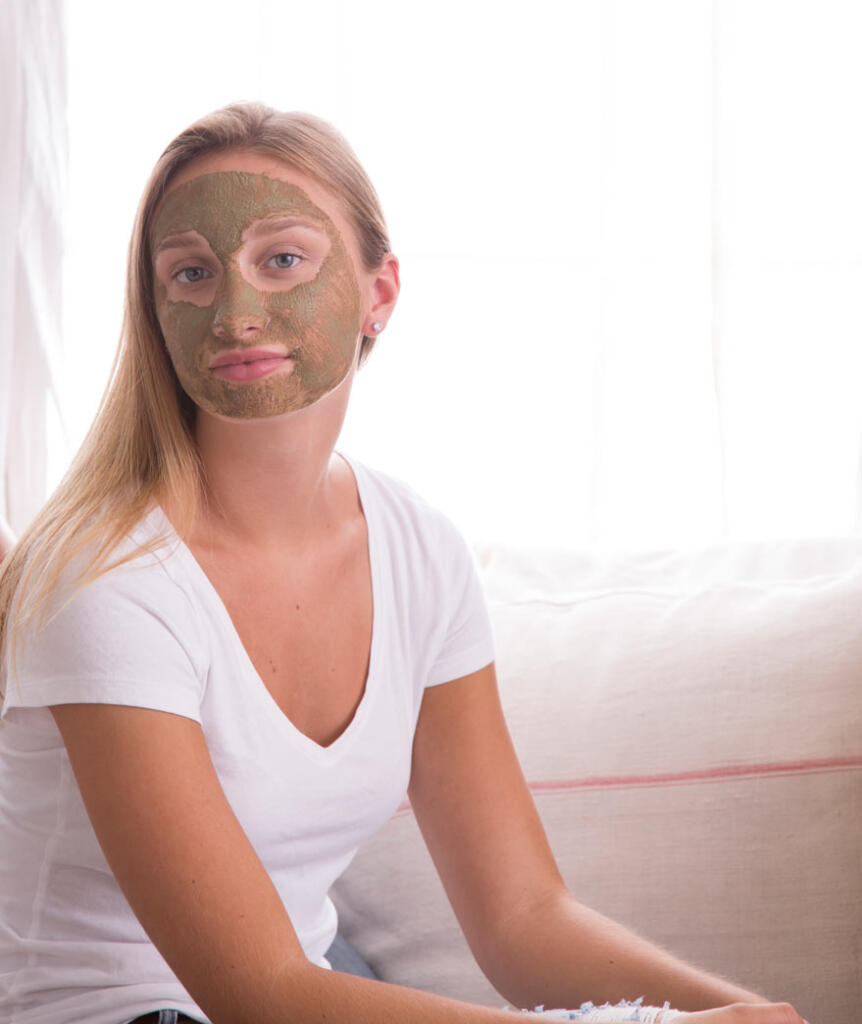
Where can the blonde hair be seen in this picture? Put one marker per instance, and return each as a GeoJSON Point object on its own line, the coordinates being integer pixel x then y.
{"type": "Point", "coordinates": [140, 449]}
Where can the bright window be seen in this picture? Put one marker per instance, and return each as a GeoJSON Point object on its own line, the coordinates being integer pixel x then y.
{"type": "Point", "coordinates": [630, 239]}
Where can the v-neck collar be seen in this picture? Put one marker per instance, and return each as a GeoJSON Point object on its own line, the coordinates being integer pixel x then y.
{"type": "Point", "coordinates": [344, 740]}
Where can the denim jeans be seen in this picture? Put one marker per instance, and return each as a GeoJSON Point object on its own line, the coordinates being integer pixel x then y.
{"type": "Point", "coordinates": [341, 955]}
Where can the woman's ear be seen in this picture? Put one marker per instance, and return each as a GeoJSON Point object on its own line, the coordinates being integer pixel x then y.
{"type": "Point", "coordinates": [387, 285]}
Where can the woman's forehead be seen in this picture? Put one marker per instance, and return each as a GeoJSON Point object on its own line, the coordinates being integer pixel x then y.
{"type": "Point", "coordinates": [253, 162]}
{"type": "Point", "coordinates": [224, 205]}
{"type": "Point", "coordinates": [263, 176]}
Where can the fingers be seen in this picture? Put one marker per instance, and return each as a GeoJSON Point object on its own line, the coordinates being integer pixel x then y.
{"type": "Point", "coordinates": [746, 1013]}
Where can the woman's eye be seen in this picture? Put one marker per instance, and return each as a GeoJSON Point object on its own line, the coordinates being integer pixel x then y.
{"type": "Point", "coordinates": [192, 275]}
{"type": "Point", "coordinates": [281, 260]}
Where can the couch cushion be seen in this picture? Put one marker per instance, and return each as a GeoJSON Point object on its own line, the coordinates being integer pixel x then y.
{"type": "Point", "coordinates": [689, 724]}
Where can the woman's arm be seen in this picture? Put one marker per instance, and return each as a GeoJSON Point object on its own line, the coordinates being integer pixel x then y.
{"type": "Point", "coordinates": [199, 889]}
{"type": "Point", "coordinates": [535, 943]}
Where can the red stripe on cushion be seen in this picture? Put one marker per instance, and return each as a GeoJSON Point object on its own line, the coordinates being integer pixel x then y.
{"type": "Point", "coordinates": [741, 771]}
{"type": "Point", "coordinates": [756, 771]}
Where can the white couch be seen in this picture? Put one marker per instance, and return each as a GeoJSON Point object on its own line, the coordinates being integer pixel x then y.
{"type": "Point", "coordinates": [690, 724]}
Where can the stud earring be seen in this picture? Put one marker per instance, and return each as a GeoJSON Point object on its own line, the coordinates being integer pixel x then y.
{"type": "Point", "coordinates": [377, 326]}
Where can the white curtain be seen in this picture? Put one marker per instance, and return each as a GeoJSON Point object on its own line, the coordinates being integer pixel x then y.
{"type": "Point", "coordinates": [32, 193]}
{"type": "Point", "coordinates": [629, 237]}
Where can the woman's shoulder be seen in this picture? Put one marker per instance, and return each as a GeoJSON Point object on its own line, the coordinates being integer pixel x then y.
{"type": "Point", "coordinates": [384, 484]}
{"type": "Point", "coordinates": [113, 637]}
{"type": "Point", "coordinates": [388, 490]}
{"type": "Point", "coordinates": [104, 594]}
{"type": "Point", "coordinates": [406, 514]}
{"type": "Point", "coordinates": [143, 561]}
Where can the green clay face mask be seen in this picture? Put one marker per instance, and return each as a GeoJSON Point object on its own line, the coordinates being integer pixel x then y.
{"type": "Point", "coordinates": [256, 294]}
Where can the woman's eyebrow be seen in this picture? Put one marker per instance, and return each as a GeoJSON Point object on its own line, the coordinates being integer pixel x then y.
{"type": "Point", "coordinates": [177, 242]}
{"type": "Point", "coordinates": [272, 225]}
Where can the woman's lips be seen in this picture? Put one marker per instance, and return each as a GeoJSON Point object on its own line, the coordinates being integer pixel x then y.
{"type": "Point", "coordinates": [250, 365]}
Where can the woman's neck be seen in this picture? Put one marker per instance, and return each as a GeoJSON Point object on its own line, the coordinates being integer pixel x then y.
{"type": "Point", "coordinates": [274, 483]}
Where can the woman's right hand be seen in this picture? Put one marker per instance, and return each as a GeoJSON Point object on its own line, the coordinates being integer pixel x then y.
{"type": "Point", "coordinates": [744, 1013]}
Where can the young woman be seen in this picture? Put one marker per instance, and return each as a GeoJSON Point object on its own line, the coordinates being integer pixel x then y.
{"type": "Point", "coordinates": [225, 644]}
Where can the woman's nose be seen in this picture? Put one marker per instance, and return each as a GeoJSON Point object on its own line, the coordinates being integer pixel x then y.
{"type": "Point", "coordinates": [238, 325]}
{"type": "Point", "coordinates": [239, 312]}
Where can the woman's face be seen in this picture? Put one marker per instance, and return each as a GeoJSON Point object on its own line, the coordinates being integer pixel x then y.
{"type": "Point", "coordinates": [257, 280]}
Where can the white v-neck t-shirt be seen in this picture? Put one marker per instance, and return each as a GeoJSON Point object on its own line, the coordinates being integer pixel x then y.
{"type": "Point", "coordinates": [155, 634]}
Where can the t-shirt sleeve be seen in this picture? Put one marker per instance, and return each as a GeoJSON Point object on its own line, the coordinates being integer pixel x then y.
{"type": "Point", "coordinates": [131, 637]}
{"type": "Point", "coordinates": [468, 642]}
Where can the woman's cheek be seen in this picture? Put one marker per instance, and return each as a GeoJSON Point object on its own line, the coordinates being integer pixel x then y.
{"type": "Point", "coordinates": [297, 306]}
{"type": "Point", "coordinates": [187, 328]}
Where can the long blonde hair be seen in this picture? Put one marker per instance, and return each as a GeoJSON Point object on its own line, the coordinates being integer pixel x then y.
{"type": "Point", "coordinates": [140, 449]}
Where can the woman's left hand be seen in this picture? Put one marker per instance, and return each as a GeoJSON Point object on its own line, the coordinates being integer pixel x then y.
{"type": "Point", "coordinates": [744, 1013]}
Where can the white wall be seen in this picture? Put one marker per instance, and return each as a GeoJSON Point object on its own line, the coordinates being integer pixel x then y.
{"type": "Point", "coordinates": [630, 240]}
